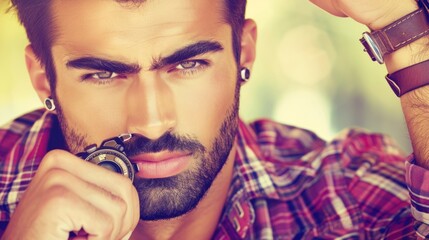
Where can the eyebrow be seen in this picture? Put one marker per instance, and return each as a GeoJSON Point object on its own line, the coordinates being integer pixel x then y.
{"type": "Point", "coordinates": [93, 63]}
{"type": "Point", "coordinates": [100, 64]}
{"type": "Point", "coordinates": [192, 50]}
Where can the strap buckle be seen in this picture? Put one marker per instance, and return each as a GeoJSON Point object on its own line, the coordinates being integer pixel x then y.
{"type": "Point", "coordinates": [371, 47]}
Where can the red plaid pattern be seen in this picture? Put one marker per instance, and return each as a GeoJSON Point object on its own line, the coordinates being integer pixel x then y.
{"type": "Point", "coordinates": [290, 184]}
{"type": "Point", "coordinates": [287, 184]}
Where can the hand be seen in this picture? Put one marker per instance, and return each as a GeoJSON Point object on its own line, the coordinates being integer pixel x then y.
{"type": "Point", "coordinates": [68, 194]}
{"type": "Point", "coordinates": [375, 14]}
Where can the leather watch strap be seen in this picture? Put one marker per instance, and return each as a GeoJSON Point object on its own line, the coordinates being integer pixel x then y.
{"type": "Point", "coordinates": [396, 35]}
{"type": "Point", "coordinates": [409, 78]}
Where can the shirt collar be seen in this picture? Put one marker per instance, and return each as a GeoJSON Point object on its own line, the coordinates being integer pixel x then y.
{"type": "Point", "coordinates": [263, 172]}
{"type": "Point", "coordinates": [275, 161]}
{"type": "Point", "coordinates": [34, 142]}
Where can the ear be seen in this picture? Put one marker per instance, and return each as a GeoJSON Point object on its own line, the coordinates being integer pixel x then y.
{"type": "Point", "coordinates": [248, 44]}
{"type": "Point", "coordinates": [37, 74]}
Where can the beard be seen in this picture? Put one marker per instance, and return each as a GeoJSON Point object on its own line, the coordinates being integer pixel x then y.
{"type": "Point", "coordinates": [166, 198]}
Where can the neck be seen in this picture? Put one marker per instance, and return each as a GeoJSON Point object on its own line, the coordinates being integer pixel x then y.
{"type": "Point", "coordinates": [201, 222]}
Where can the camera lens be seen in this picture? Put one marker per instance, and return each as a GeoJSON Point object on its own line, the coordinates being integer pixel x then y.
{"type": "Point", "coordinates": [112, 166]}
{"type": "Point", "coordinates": [112, 160]}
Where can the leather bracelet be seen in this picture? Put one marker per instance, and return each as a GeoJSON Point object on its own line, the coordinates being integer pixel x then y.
{"type": "Point", "coordinates": [396, 35]}
{"type": "Point", "coordinates": [409, 78]}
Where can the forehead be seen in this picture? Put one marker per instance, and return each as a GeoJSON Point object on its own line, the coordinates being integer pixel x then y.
{"type": "Point", "coordinates": [105, 25]}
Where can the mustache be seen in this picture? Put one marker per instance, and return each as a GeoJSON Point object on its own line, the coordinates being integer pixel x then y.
{"type": "Point", "coordinates": [139, 144]}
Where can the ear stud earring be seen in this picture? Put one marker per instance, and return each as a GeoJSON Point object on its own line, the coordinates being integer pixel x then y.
{"type": "Point", "coordinates": [245, 74]}
{"type": "Point", "coordinates": [49, 104]}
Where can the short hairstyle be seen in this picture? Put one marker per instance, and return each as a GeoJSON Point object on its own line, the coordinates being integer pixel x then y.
{"type": "Point", "coordinates": [35, 16]}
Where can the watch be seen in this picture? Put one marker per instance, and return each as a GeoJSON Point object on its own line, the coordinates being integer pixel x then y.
{"type": "Point", "coordinates": [397, 34]}
{"type": "Point", "coordinates": [111, 155]}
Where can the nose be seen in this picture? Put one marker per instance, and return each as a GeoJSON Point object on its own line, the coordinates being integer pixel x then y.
{"type": "Point", "coordinates": [151, 110]}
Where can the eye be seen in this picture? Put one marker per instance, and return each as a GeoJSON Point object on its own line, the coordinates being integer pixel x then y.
{"type": "Point", "coordinates": [102, 75]}
{"type": "Point", "coordinates": [188, 65]}
{"type": "Point", "coordinates": [189, 68]}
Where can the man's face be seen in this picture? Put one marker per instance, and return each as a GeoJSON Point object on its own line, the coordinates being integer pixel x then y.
{"type": "Point", "coordinates": [164, 71]}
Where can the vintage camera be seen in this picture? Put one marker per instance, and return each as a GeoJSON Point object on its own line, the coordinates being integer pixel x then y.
{"type": "Point", "coordinates": [111, 155]}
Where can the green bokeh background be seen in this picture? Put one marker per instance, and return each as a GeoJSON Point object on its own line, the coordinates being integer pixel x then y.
{"type": "Point", "coordinates": [310, 72]}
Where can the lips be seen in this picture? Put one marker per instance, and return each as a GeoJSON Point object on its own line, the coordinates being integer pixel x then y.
{"type": "Point", "coordinates": [161, 165]}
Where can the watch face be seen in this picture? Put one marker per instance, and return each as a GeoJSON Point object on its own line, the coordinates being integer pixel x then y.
{"type": "Point", "coordinates": [112, 160]}
{"type": "Point", "coordinates": [372, 48]}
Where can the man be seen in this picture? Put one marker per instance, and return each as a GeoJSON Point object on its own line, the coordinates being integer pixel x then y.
{"type": "Point", "coordinates": [170, 73]}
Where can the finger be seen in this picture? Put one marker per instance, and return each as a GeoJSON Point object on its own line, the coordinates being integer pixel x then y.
{"type": "Point", "coordinates": [112, 205]}
{"type": "Point", "coordinates": [115, 183]}
{"type": "Point", "coordinates": [86, 170]}
{"type": "Point", "coordinates": [71, 212]}
{"type": "Point", "coordinates": [330, 6]}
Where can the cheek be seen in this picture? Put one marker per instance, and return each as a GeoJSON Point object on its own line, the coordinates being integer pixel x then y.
{"type": "Point", "coordinates": [97, 114]}
{"type": "Point", "coordinates": [202, 111]}
{"type": "Point", "coordinates": [200, 105]}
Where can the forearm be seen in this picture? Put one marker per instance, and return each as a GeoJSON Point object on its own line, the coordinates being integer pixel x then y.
{"type": "Point", "coordinates": [415, 104]}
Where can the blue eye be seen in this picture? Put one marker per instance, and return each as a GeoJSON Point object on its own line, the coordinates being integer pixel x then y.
{"type": "Point", "coordinates": [190, 68]}
{"type": "Point", "coordinates": [102, 75]}
{"type": "Point", "coordinates": [188, 65]}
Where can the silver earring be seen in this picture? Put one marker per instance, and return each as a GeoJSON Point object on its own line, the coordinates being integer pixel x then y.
{"type": "Point", "coordinates": [245, 74]}
{"type": "Point", "coordinates": [49, 104]}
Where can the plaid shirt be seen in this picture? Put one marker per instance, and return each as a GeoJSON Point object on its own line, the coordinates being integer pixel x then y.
{"type": "Point", "coordinates": [287, 183]}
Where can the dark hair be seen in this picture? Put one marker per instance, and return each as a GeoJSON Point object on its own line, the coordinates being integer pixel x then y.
{"type": "Point", "coordinates": [35, 16]}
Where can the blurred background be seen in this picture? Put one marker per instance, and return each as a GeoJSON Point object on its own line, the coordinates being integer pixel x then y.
{"type": "Point", "coordinates": [310, 72]}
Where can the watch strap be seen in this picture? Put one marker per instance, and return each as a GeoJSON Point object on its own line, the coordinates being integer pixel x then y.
{"type": "Point", "coordinates": [396, 35]}
{"type": "Point", "coordinates": [423, 4]}
{"type": "Point", "coordinates": [409, 78]}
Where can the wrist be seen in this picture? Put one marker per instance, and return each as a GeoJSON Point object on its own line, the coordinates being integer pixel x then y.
{"type": "Point", "coordinates": [412, 53]}
{"type": "Point", "coordinates": [402, 46]}
{"type": "Point", "coordinates": [399, 38]}
{"type": "Point", "coordinates": [393, 13]}
{"type": "Point", "coordinates": [409, 55]}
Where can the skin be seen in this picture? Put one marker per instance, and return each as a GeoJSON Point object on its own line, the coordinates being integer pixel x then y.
{"type": "Point", "coordinates": [150, 102]}
{"type": "Point", "coordinates": [415, 104]}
